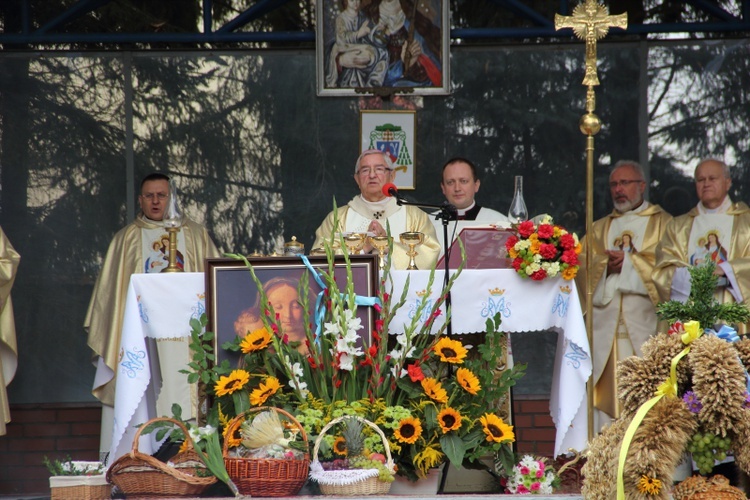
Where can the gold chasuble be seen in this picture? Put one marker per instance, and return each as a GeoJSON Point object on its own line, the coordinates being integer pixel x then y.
{"type": "Point", "coordinates": [357, 215]}
{"type": "Point", "coordinates": [624, 315]}
{"type": "Point", "coordinates": [126, 255]}
{"type": "Point", "coordinates": [9, 260]}
{"type": "Point", "coordinates": [673, 252]}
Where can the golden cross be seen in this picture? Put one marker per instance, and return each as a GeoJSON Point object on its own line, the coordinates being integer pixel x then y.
{"type": "Point", "coordinates": [590, 22]}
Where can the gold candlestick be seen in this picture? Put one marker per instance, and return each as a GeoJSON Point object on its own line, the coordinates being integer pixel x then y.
{"type": "Point", "coordinates": [172, 267]}
{"type": "Point", "coordinates": [172, 221]}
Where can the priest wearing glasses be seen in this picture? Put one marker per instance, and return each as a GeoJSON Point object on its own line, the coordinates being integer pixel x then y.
{"type": "Point", "coordinates": [369, 211]}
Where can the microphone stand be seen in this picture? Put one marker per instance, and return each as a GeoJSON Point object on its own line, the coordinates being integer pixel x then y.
{"type": "Point", "coordinates": [447, 213]}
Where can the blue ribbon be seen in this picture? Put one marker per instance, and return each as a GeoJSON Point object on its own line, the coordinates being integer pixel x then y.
{"type": "Point", "coordinates": [725, 333]}
{"type": "Point", "coordinates": [730, 335]}
{"type": "Point", "coordinates": [320, 307]}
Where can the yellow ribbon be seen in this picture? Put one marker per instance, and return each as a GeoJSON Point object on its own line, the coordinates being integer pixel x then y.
{"type": "Point", "coordinates": [667, 388]}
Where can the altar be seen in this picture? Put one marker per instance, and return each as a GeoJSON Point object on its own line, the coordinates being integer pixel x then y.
{"type": "Point", "coordinates": [159, 307]}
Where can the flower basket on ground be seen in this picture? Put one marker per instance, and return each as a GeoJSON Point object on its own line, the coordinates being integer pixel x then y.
{"type": "Point", "coordinates": [263, 455]}
{"type": "Point", "coordinates": [77, 480]}
{"type": "Point", "coordinates": [361, 472]}
{"type": "Point", "coordinates": [137, 474]}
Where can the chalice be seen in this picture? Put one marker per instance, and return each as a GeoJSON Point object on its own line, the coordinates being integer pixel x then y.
{"type": "Point", "coordinates": [354, 242]}
{"type": "Point", "coordinates": [381, 243]}
{"type": "Point", "coordinates": [412, 239]}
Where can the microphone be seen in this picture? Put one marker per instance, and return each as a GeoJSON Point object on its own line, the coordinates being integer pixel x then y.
{"type": "Point", "coordinates": [391, 190]}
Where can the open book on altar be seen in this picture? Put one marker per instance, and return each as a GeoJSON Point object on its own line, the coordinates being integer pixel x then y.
{"type": "Point", "coordinates": [484, 246]}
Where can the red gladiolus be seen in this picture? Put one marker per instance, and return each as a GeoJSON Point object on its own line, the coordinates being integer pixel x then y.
{"type": "Point", "coordinates": [526, 228]}
{"type": "Point", "coordinates": [285, 339]}
{"type": "Point", "coordinates": [366, 362]}
{"type": "Point", "coordinates": [377, 307]}
{"type": "Point", "coordinates": [312, 362]}
{"type": "Point", "coordinates": [338, 383]}
{"type": "Point", "coordinates": [373, 350]}
{"type": "Point", "coordinates": [545, 231]}
{"type": "Point", "coordinates": [415, 372]}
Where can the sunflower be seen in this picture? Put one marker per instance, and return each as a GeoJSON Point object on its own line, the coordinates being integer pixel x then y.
{"type": "Point", "coordinates": [496, 430]}
{"type": "Point", "coordinates": [649, 485]}
{"type": "Point", "coordinates": [468, 380]}
{"type": "Point", "coordinates": [264, 391]}
{"type": "Point", "coordinates": [255, 341]}
{"type": "Point", "coordinates": [233, 440]}
{"type": "Point", "coordinates": [449, 420]}
{"type": "Point", "coordinates": [408, 430]}
{"type": "Point", "coordinates": [339, 446]}
{"type": "Point", "coordinates": [231, 383]}
{"type": "Point", "coordinates": [434, 390]}
{"type": "Point", "coordinates": [450, 351]}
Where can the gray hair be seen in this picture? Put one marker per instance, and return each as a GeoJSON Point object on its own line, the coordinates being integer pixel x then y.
{"type": "Point", "coordinates": [386, 159]}
{"type": "Point", "coordinates": [629, 163]}
{"type": "Point", "coordinates": [724, 166]}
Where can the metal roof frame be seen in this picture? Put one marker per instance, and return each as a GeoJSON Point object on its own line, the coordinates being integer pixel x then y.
{"type": "Point", "coordinates": [54, 32]}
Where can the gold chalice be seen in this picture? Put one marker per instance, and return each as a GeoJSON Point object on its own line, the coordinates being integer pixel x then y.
{"type": "Point", "coordinates": [412, 239]}
{"type": "Point", "coordinates": [354, 242]}
{"type": "Point", "coordinates": [381, 243]}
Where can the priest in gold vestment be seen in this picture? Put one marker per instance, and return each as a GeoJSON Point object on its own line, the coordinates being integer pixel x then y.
{"type": "Point", "coordinates": [9, 260]}
{"type": "Point", "coordinates": [139, 247]}
{"type": "Point", "coordinates": [369, 211]}
{"type": "Point", "coordinates": [717, 230]}
{"type": "Point", "coordinates": [622, 258]}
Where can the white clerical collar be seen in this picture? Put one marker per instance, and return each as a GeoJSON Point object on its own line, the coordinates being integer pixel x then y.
{"type": "Point", "coordinates": [462, 211]}
{"type": "Point", "coordinates": [721, 209]}
{"type": "Point", "coordinates": [643, 206]}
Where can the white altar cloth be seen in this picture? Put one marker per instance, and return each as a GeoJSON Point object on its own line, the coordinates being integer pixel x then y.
{"type": "Point", "coordinates": [158, 309]}
{"type": "Point", "coordinates": [524, 306]}
{"type": "Point", "coordinates": [160, 306]}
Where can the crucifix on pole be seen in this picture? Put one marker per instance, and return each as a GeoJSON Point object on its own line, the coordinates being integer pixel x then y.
{"type": "Point", "coordinates": [590, 22]}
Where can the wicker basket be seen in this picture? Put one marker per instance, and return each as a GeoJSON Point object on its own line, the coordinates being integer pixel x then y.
{"type": "Point", "coordinates": [266, 477]}
{"type": "Point", "coordinates": [138, 474]}
{"type": "Point", "coordinates": [80, 487]}
{"type": "Point", "coordinates": [353, 482]}
{"type": "Point", "coordinates": [716, 487]}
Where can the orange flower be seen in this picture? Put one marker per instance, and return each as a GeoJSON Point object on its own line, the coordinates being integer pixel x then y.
{"type": "Point", "coordinates": [449, 420]}
{"type": "Point", "coordinates": [450, 351]}
{"type": "Point", "coordinates": [255, 341]}
{"type": "Point", "coordinates": [434, 390]}
{"type": "Point", "coordinates": [468, 380]}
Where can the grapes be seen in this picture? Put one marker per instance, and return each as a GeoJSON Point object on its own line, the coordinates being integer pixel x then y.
{"type": "Point", "coordinates": [707, 449]}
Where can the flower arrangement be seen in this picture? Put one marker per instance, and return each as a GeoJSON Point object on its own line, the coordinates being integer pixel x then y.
{"type": "Point", "coordinates": [70, 467]}
{"type": "Point", "coordinates": [687, 393]}
{"type": "Point", "coordinates": [531, 476]}
{"type": "Point", "coordinates": [431, 395]}
{"type": "Point", "coordinates": [543, 250]}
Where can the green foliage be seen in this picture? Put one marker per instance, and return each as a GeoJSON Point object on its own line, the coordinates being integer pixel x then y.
{"type": "Point", "coordinates": [68, 467]}
{"type": "Point", "coordinates": [701, 306]}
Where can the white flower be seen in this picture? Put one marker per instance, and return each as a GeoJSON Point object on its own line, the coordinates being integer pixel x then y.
{"type": "Point", "coordinates": [522, 245]}
{"type": "Point", "coordinates": [346, 362]}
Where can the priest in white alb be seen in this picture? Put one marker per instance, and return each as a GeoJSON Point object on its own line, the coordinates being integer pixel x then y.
{"type": "Point", "coordinates": [369, 211]}
{"type": "Point", "coordinates": [622, 247]}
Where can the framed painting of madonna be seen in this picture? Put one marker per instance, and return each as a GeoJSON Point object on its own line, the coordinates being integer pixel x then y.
{"type": "Point", "coordinates": [382, 47]}
{"type": "Point", "coordinates": [234, 306]}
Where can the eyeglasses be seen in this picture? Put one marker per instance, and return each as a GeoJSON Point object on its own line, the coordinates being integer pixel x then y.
{"type": "Point", "coordinates": [379, 170]}
{"type": "Point", "coordinates": [623, 183]}
{"type": "Point", "coordinates": [152, 196]}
